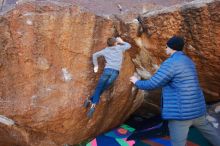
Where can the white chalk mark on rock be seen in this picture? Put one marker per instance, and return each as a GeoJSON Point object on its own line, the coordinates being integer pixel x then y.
{"type": "Point", "coordinates": [143, 73]}
{"type": "Point", "coordinates": [29, 22]}
{"type": "Point", "coordinates": [66, 75]}
{"type": "Point", "coordinates": [6, 121]}
{"type": "Point", "coordinates": [135, 21]}
{"type": "Point", "coordinates": [156, 67]}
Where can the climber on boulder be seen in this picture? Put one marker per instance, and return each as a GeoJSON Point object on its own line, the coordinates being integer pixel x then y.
{"type": "Point", "coordinates": [113, 55]}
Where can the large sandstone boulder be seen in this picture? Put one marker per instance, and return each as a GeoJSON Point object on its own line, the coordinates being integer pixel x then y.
{"type": "Point", "coordinates": [46, 73]}
{"type": "Point", "coordinates": [46, 70]}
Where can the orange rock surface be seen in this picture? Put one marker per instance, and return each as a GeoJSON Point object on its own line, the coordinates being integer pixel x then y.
{"type": "Point", "coordinates": [46, 70]}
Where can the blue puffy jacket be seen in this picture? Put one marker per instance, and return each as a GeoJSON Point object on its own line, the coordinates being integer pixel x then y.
{"type": "Point", "coordinates": [182, 97]}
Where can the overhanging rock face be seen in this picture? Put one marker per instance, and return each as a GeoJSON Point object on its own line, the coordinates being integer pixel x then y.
{"type": "Point", "coordinates": [46, 73]}
{"type": "Point", "coordinates": [46, 70]}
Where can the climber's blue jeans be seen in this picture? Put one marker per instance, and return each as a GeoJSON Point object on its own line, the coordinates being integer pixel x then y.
{"type": "Point", "coordinates": [106, 80]}
{"type": "Point", "coordinates": [179, 131]}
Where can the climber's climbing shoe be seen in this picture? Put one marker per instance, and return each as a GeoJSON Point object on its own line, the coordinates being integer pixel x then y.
{"type": "Point", "coordinates": [90, 112]}
{"type": "Point", "coordinates": [86, 103]}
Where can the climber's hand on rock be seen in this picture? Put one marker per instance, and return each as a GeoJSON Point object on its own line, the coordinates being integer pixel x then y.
{"type": "Point", "coordinates": [96, 69]}
{"type": "Point", "coordinates": [133, 79]}
{"type": "Point", "coordinates": [119, 40]}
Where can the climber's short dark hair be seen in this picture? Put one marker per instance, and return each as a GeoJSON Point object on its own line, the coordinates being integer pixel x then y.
{"type": "Point", "coordinates": [111, 41]}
